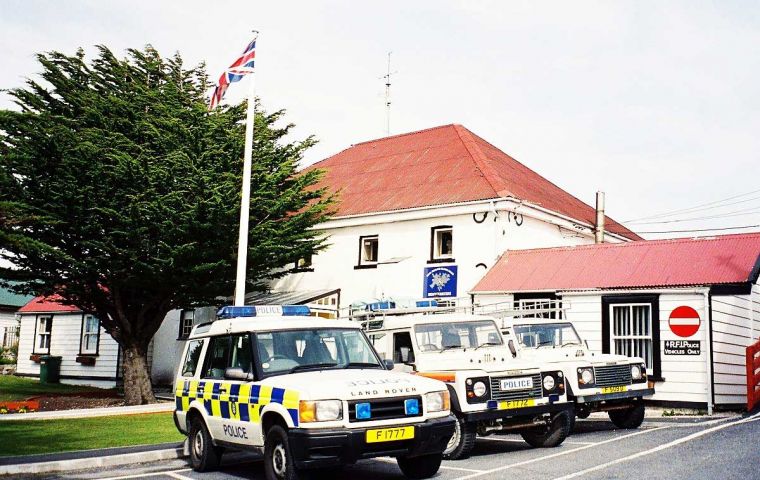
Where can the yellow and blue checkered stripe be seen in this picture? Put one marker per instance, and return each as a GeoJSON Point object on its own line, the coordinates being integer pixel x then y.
{"type": "Point", "coordinates": [235, 401]}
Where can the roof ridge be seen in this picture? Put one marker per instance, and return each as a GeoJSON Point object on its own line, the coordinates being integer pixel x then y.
{"type": "Point", "coordinates": [404, 134]}
{"type": "Point", "coordinates": [638, 243]}
{"type": "Point", "coordinates": [479, 158]}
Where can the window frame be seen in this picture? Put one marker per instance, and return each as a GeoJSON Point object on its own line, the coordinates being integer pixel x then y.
{"type": "Point", "coordinates": [608, 301]}
{"type": "Point", "coordinates": [434, 256]}
{"type": "Point", "coordinates": [181, 335]}
{"type": "Point", "coordinates": [361, 263]}
{"type": "Point", "coordinates": [201, 359]}
{"type": "Point", "coordinates": [83, 333]}
{"type": "Point", "coordinates": [35, 349]}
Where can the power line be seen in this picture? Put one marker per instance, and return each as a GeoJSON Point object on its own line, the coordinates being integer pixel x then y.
{"type": "Point", "coordinates": [705, 229]}
{"type": "Point", "coordinates": [698, 207]}
{"type": "Point", "coordinates": [738, 213]}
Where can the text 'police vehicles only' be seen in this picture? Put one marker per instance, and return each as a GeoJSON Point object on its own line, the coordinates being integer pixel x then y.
{"type": "Point", "coordinates": [306, 392]}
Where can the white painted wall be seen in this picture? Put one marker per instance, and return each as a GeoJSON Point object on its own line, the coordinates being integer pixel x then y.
{"type": "Point", "coordinates": [167, 347]}
{"type": "Point", "coordinates": [64, 342]}
{"type": "Point", "coordinates": [407, 234]}
{"type": "Point", "coordinates": [7, 319]}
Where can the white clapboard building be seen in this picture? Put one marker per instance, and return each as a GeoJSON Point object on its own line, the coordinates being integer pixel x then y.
{"type": "Point", "coordinates": [426, 214]}
{"type": "Point", "coordinates": [689, 307]}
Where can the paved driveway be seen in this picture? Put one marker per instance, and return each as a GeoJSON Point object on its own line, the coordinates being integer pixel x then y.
{"type": "Point", "coordinates": [661, 448]}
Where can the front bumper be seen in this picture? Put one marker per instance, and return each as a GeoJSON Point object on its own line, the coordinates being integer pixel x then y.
{"type": "Point", "coordinates": [325, 448]}
{"type": "Point", "coordinates": [604, 397]}
{"type": "Point", "coordinates": [515, 413]}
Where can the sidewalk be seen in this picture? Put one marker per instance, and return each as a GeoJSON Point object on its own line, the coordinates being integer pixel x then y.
{"type": "Point", "coordinates": [91, 412]}
{"type": "Point", "coordinates": [88, 459]}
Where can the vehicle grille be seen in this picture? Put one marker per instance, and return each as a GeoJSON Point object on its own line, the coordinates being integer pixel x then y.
{"type": "Point", "coordinates": [498, 394]}
{"type": "Point", "coordinates": [383, 409]}
{"type": "Point", "coordinates": [612, 375]}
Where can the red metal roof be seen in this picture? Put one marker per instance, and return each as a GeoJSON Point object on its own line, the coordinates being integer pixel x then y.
{"type": "Point", "coordinates": [47, 305]}
{"type": "Point", "coordinates": [656, 263]}
{"type": "Point", "coordinates": [437, 166]}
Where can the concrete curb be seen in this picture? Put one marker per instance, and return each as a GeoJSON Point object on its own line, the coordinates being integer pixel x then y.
{"type": "Point", "coordinates": [89, 463]}
{"type": "Point", "coordinates": [90, 412]}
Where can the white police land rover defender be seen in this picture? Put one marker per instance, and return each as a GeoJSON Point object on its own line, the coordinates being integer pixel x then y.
{"type": "Point", "coordinates": [491, 392]}
{"type": "Point", "coordinates": [595, 382]}
{"type": "Point", "coordinates": [308, 392]}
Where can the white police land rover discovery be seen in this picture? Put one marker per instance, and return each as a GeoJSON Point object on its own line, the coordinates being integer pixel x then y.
{"type": "Point", "coordinates": [306, 391]}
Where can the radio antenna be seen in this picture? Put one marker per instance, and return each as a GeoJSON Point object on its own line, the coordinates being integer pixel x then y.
{"type": "Point", "coordinates": [387, 78]}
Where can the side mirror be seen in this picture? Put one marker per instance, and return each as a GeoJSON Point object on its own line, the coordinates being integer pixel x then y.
{"type": "Point", "coordinates": [388, 364]}
{"type": "Point", "coordinates": [237, 373]}
{"type": "Point", "coordinates": [512, 348]}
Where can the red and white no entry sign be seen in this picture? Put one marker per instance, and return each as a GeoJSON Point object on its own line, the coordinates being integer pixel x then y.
{"type": "Point", "coordinates": [684, 321]}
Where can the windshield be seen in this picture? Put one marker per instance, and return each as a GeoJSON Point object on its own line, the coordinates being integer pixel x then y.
{"type": "Point", "coordinates": [546, 334]}
{"type": "Point", "coordinates": [443, 336]}
{"type": "Point", "coordinates": [314, 349]}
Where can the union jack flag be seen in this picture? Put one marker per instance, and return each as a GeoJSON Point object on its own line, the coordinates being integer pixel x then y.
{"type": "Point", "coordinates": [239, 68]}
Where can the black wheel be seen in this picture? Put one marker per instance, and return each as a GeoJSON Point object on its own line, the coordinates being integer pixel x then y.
{"type": "Point", "coordinates": [203, 455]}
{"type": "Point", "coordinates": [278, 461]}
{"type": "Point", "coordinates": [462, 441]}
{"type": "Point", "coordinates": [551, 435]}
{"type": "Point", "coordinates": [420, 467]}
{"type": "Point", "coordinates": [571, 413]}
{"type": "Point", "coordinates": [629, 418]}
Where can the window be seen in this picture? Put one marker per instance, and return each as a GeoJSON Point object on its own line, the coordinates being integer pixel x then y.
{"type": "Point", "coordinates": [240, 355]}
{"type": "Point", "coordinates": [90, 335]}
{"type": "Point", "coordinates": [630, 327]}
{"type": "Point", "coordinates": [42, 334]}
{"type": "Point", "coordinates": [403, 351]}
{"type": "Point", "coordinates": [550, 335]}
{"type": "Point", "coordinates": [432, 337]}
{"type": "Point", "coordinates": [303, 263]}
{"type": "Point", "coordinates": [632, 331]}
{"type": "Point", "coordinates": [368, 251]}
{"type": "Point", "coordinates": [186, 319]}
{"type": "Point", "coordinates": [216, 358]}
{"type": "Point", "coordinates": [442, 244]}
{"type": "Point", "coordinates": [191, 360]}
{"type": "Point", "coordinates": [281, 352]}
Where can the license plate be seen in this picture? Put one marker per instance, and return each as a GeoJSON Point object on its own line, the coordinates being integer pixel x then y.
{"type": "Point", "coordinates": [621, 388]}
{"type": "Point", "coordinates": [516, 383]}
{"type": "Point", "coordinates": [508, 404]}
{"type": "Point", "coordinates": [389, 434]}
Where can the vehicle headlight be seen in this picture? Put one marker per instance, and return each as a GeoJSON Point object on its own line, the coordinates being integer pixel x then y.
{"type": "Point", "coordinates": [587, 376]}
{"type": "Point", "coordinates": [636, 372]}
{"type": "Point", "coordinates": [437, 401]}
{"type": "Point", "coordinates": [549, 382]}
{"type": "Point", "coordinates": [479, 389]}
{"type": "Point", "coordinates": [320, 411]}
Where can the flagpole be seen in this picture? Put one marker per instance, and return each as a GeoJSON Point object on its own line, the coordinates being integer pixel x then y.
{"type": "Point", "coordinates": [245, 200]}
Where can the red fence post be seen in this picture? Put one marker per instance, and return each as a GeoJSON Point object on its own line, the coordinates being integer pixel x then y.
{"type": "Point", "coordinates": [753, 375]}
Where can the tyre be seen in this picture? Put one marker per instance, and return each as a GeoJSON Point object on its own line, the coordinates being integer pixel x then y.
{"type": "Point", "coordinates": [571, 413]}
{"type": "Point", "coordinates": [551, 435]}
{"type": "Point", "coordinates": [203, 455]}
{"type": "Point", "coordinates": [278, 460]}
{"type": "Point", "coordinates": [629, 418]}
{"type": "Point", "coordinates": [420, 467]}
{"type": "Point", "coordinates": [462, 441]}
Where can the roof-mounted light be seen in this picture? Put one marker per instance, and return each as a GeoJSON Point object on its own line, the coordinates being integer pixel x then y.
{"type": "Point", "coordinates": [426, 303]}
{"type": "Point", "coordinates": [383, 305]}
{"type": "Point", "coordinates": [263, 311]}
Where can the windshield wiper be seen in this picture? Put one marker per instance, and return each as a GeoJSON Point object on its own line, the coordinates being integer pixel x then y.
{"type": "Point", "coordinates": [312, 366]}
{"type": "Point", "coordinates": [487, 344]}
{"type": "Point", "coordinates": [449, 347]}
{"type": "Point", "coordinates": [360, 365]}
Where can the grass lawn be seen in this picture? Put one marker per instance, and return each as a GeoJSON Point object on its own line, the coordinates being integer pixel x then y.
{"type": "Point", "coordinates": [18, 388]}
{"type": "Point", "coordinates": [27, 437]}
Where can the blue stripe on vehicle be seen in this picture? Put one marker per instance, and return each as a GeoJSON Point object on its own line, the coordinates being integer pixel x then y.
{"type": "Point", "coordinates": [277, 395]}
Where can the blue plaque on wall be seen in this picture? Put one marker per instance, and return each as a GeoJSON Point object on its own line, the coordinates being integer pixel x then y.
{"type": "Point", "coordinates": [440, 282]}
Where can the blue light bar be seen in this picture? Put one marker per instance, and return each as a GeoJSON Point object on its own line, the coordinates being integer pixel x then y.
{"type": "Point", "coordinates": [385, 305]}
{"type": "Point", "coordinates": [263, 311]}
{"type": "Point", "coordinates": [427, 303]}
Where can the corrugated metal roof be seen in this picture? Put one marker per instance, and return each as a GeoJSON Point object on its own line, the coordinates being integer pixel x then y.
{"type": "Point", "coordinates": [286, 298]}
{"type": "Point", "coordinates": [657, 263]}
{"type": "Point", "coordinates": [47, 305]}
{"type": "Point", "coordinates": [12, 299]}
{"type": "Point", "coordinates": [437, 166]}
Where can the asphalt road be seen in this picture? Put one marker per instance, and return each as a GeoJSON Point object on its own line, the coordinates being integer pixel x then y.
{"type": "Point", "coordinates": [661, 449]}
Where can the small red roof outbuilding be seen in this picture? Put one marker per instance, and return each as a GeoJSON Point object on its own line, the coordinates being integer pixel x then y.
{"type": "Point", "coordinates": [727, 259]}
{"type": "Point", "coordinates": [49, 304]}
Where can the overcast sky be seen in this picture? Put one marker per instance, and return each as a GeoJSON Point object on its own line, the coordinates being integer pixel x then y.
{"type": "Point", "coordinates": [656, 103]}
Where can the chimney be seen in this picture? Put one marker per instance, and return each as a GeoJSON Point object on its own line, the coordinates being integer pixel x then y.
{"type": "Point", "coordinates": [599, 230]}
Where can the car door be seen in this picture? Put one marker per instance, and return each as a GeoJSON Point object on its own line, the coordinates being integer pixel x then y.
{"type": "Point", "coordinates": [213, 383]}
{"type": "Point", "coordinates": [235, 392]}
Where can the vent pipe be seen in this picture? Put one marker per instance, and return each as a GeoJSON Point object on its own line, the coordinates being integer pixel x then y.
{"type": "Point", "coordinates": [599, 230]}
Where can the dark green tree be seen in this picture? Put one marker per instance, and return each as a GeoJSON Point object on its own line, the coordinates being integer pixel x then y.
{"type": "Point", "coordinates": [120, 192]}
